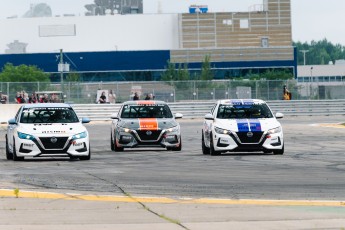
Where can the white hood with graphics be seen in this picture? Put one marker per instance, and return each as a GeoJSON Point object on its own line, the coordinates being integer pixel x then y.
{"type": "Point", "coordinates": [52, 129]}
{"type": "Point", "coordinates": [246, 125]}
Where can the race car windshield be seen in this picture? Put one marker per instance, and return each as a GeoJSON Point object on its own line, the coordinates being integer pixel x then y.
{"type": "Point", "coordinates": [146, 111]}
{"type": "Point", "coordinates": [48, 115]}
{"type": "Point", "coordinates": [244, 111]}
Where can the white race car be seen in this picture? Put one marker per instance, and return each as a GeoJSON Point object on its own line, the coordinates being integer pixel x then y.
{"type": "Point", "coordinates": [47, 129]}
{"type": "Point", "coordinates": [242, 126]}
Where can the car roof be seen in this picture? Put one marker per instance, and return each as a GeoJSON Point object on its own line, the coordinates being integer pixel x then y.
{"type": "Point", "coordinates": [143, 102]}
{"type": "Point", "coordinates": [45, 105]}
{"type": "Point", "coordinates": [233, 101]}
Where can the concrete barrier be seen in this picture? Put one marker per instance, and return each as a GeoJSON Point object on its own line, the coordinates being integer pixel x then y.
{"type": "Point", "coordinates": [198, 109]}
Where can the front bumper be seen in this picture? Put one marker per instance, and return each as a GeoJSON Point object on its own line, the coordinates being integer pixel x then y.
{"type": "Point", "coordinates": [40, 146]}
{"type": "Point", "coordinates": [148, 138]}
{"type": "Point", "coordinates": [236, 142]}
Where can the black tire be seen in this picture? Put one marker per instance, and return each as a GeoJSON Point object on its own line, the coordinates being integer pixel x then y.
{"type": "Point", "coordinates": [86, 158]}
{"type": "Point", "coordinates": [9, 155]}
{"type": "Point", "coordinates": [111, 142]}
{"type": "Point", "coordinates": [212, 151]}
{"type": "Point", "coordinates": [279, 151]}
{"type": "Point", "coordinates": [179, 148]}
{"type": "Point", "coordinates": [117, 149]}
{"type": "Point", "coordinates": [15, 157]}
{"type": "Point", "coordinates": [205, 150]}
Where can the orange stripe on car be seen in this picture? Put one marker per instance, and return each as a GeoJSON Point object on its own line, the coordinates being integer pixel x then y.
{"type": "Point", "coordinates": [148, 124]}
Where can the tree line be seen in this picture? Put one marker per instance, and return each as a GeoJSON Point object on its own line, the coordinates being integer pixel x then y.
{"type": "Point", "coordinates": [319, 52]}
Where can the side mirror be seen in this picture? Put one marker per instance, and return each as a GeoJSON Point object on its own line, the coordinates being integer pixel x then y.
{"type": "Point", "coordinates": [209, 117]}
{"type": "Point", "coordinates": [12, 121]}
{"type": "Point", "coordinates": [279, 115]}
{"type": "Point", "coordinates": [85, 120]}
{"type": "Point", "coordinates": [114, 116]}
{"type": "Point", "coordinates": [178, 115]}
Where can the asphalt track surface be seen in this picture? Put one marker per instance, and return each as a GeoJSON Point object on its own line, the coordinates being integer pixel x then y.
{"type": "Point", "coordinates": [310, 173]}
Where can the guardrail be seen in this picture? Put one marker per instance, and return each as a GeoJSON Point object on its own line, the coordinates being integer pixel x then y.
{"type": "Point", "coordinates": [197, 109]}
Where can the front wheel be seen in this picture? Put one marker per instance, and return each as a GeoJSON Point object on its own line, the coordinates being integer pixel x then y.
{"type": "Point", "coordinates": [9, 155]}
{"type": "Point", "coordinates": [111, 142]}
{"type": "Point", "coordinates": [14, 153]}
{"type": "Point", "coordinates": [86, 158]}
{"type": "Point", "coordinates": [205, 150]}
{"type": "Point", "coordinates": [279, 151]}
{"type": "Point", "coordinates": [116, 148]}
{"type": "Point", "coordinates": [179, 148]}
{"type": "Point", "coordinates": [212, 151]}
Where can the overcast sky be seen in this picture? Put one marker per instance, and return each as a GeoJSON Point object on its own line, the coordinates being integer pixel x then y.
{"type": "Point", "coordinates": [311, 20]}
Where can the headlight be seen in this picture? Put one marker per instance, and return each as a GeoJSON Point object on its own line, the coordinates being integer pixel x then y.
{"type": "Point", "coordinates": [173, 129]}
{"type": "Point", "coordinates": [275, 130]}
{"type": "Point", "coordinates": [221, 131]}
{"type": "Point", "coordinates": [79, 135]}
{"type": "Point", "coordinates": [126, 130]}
{"type": "Point", "coordinates": [25, 136]}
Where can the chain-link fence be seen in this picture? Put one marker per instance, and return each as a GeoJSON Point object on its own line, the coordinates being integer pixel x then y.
{"type": "Point", "coordinates": [85, 93]}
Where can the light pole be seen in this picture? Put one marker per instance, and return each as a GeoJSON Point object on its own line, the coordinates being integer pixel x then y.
{"type": "Point", "coordinates": [311, 80]}
{"type": "Point", "coordinates": [61, 70]}
{"type": "Point", "coordinates": [304, 52]}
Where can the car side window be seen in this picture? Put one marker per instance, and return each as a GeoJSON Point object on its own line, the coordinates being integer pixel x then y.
{"type": "Point", "coordinates": [17, 114]}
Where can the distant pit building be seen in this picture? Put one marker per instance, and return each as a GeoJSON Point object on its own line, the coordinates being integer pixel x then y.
{"type": "Point", "coordinates": [125, 44]}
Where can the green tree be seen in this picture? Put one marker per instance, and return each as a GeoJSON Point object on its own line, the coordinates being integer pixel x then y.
{"type": "Point", "coordinates": [73, 77]}
{"type": "Point", "coordinates": [319, 52]}
{"type": "Point", "coordinates": [23, 73]}
{"type": "Point", "coordinates": [183, 73]}
{"type": "Point", "coordinates": [170, 72]}
{"type": "Point", "coordinates": [206, 71]}
{"type": "Point", "coordinates": [274, 74]}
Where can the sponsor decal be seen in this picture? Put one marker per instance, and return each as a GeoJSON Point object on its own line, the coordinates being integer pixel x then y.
{"type": "Point", "coordinates": [77, 144]}
{"type": "Point", "coordinates": [224, 141]}
{"type": "Point", "coordinates": [53, 131]}
{"type": "Point", "coordinates": [148, 124]}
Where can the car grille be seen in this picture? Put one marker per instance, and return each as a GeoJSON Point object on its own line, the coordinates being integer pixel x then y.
{"type": "Point", "coordinates": [149, 135]}
{"type": "Point", "coordinates": [249, 140]}
{"type": "Point", "coordinates": [48, 144]}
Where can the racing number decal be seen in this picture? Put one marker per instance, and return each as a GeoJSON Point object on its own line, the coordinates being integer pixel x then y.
{"type": "Point", "coordinates": [148, 124]}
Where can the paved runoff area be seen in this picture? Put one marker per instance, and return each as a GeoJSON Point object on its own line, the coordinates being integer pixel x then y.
{"type": "Point", "coordinates": [155, 189]}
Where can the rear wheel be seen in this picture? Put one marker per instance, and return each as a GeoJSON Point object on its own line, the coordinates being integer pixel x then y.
{"type": "Point", "coordinates": [212, 151]}
{"type": "Point", "coordinates": [9, 155]}
{"type": "Point", "coordinates": [279, 151]}
{"type": "Point", "coordinates": [205, 150]}
{"type": "Point", "coordinates": [15, 157]}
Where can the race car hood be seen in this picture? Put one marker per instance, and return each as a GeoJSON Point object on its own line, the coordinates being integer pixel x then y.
{"type": "Point", "coordinates": [147, 123]}
{"type": "Point", "coordinates": [245, 125]}
{"type": "Point", "coordinates": [52, 129]}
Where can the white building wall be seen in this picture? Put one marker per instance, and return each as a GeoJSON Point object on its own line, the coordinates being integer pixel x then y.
{"type": "Point", "coordinates": [95, 33]}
